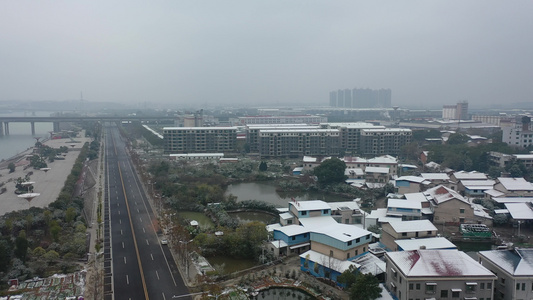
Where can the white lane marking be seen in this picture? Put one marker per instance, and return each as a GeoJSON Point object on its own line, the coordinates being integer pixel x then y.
{"type": "Point", "coordinates": [120, 231]}
{"type": "Point", "coordinates": [138, 210]}
{"type": "Point", "coordinates": [164, 298]}
{"type": "Point", "coordinates": [147, 243]}
{"type": "Point", "coordinates": [124, 259]}
{"type": "Point", "coordinates": [157, 274]}
{"type": "Point", "coordinates": [127, 279]}
{"type": "Point", "coordinates": [151, 256]}
{"type": "Point", "coordinates": [119, 212]}
{"type": "Point", "coordinates": [141, 219]}
{"type": "Point", "coordinates": [122, 245]}
{"type": "Point", "coordinates": [118, 204]}
{"type": "Point", "coordinates": [144, 230]}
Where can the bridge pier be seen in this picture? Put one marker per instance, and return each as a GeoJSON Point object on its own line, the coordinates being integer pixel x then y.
{"type": "Point", "coordinates": [56, 127]}
{"type": "Point", "coordinates": [1, 128]}
{"type": "Point", "coordinates": [6, 128]}
{"type": "Point", "coordinates": [32, 128]}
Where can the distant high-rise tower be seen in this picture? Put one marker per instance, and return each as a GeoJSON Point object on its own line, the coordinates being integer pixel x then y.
{"type": "Point", "coordinates": [462, 111]}
{"type": "Point", "coordinates": [333, 99]}
{"type": "Point", "coordinates": [348, 98]}
{"type": "Point", "coordinates": [340, 98]}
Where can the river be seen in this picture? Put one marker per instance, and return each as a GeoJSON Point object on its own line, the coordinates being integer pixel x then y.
{"type": "Point", "coordinates": [20, 137]}
{"type": "Point", "coordinates": [267, 192]}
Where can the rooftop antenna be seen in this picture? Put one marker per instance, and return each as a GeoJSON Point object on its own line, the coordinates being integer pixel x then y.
{"type": "Point", "coordinates": [81, 102]}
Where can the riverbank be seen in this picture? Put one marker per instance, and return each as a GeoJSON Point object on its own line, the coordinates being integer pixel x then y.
{"type": "Point", "coordinates": [47, 183]}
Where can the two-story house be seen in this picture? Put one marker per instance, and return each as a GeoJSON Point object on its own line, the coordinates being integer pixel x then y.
{"type": "Point", "coordinates": [390, 232]}
{"type": "Point", "coordinates": [437, 274]}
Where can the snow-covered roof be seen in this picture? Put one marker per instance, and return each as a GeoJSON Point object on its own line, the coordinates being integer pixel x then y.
{"type": "Point", "coordinates": [413, 226]}
{"type": "Point", "coordinates": [515, 184]}
{"type": "Point", "coordinates": [420, 197]}
{"type": "Point", "coordinates": [520, 211]}
{"type": "Point", "coordinates": [354, 171]}
{"type": "Point", "coordinates": [375, 185]}
{"type": "Point", "coordinates": [404, 203]}
{"type": "Point", "coordinates": [286, 216]}
{"type": "Point", "coordinates": [335, 264]}
{"type": "Point", "coordinates": [384, 159]}
{"type": "Point", "coordinates": [517, 262]}
{"type": "Point", "coordinates": [479, 211]}
{"type": "Point", "coordinates": [474, 175]}
{"type": "Point", "coordinates": [437, 263]}
{"type": "Point", "coordinates": [414, 179]}
{"type": "Point", "coordinates": [441, 194]}
{"type": "Point", "coordinates": [279, 244]}
{"type": "Point", "coordinates": [408, 166]}
{"type": "Point", "coordinates": [291, 230]}
{"type": "Point", "coordinates": [349, 204]}
{"type": "Point", "coordinates": [317, 222]}
{"type": "Point", "coordinates": [342, 232]}
{"type": "Point", "coordinates": [370, 264]}
{"type": "Point", "coordinates": [271, 227]}
{"type": "Point", "coordinates": [309, 159]}
{"type": "Point", "coordinates": [471, 183]}
{"type": "Point", "coordinates": [382, 170]}
{"type": "Point", "coordinates": [428, 243]}
{"type": "Point", "coordinates": [523, 156]}
{"type": "Point", "coordinates": [435, 176]}
{"type": "Point", "coordinates": [513, 199]}
{"type": "Point", "coordinates": [494, 193]}
{"type": "Point", "coordinates": [380, 214]}
{"type": "Point", "coordinates": [310, 205]}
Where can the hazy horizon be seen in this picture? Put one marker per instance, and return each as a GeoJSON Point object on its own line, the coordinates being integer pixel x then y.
{"type": "Point", "coordinates": [429, 53]}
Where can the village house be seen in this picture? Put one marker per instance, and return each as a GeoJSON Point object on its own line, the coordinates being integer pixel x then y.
{"type": "Point", "coordinates": [514, 269]}
{"type": "Point", "coordinates": [390, 232]}
{"type": "Point", "coordinates": [437, 274]}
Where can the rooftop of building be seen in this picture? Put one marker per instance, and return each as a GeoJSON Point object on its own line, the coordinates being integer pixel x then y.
{"type": "Point", "coordinates": [437, 263]}
{"type": "Point", "coordinates": [431, 243]}
{"type": "Point", "coordinates": [380, 170]}
{"type": "Point", "coordinates": [404, 203]}
{"type": "Point", "coordinates": [344, 204]}
{"type": "Point", "coordinates": [441, 194]}
{"type": "Point", "coordinates": [413, 226]}
{"type": "Point", "coordinates": [310, 205]}
{"type": "Point", "coordinates": [200, 128]}
{"type": "Point", "coordinates": [515, 184]}
{"type": "Point", "coordinates": [335, 264]}
{"type": "Point", "coordinates": [414, 179]}
{"type": "Point", "coordinates": [473, 175]}
{"type": "Point", "coordinates": [520, 211]}
{"type": "Point", "coordinates": [376, 130]}
{"type": "Point", "coordinates": [435, 176]}
{"type": "Point", "coordinates": [517, 262]}
{"type": "Point", "coordinates": [474, 183]}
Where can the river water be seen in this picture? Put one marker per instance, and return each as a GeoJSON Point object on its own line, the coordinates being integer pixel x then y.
{"type": "Point", "coordinates": [267, 192]}
{"type": "Point", "coordinates": [20, 137]}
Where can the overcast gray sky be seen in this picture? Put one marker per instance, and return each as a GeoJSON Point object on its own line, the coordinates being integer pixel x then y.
{"type": "Point", "coordinates": [266, 52]}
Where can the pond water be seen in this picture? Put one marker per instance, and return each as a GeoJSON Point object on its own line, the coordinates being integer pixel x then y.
{"type": "Point", "coordinates": [230, 264]}
{"type": "Point", "coordinates": [202, 219]}
{"type": "Point", "coordinates": [283, 293]}
{"type": "Point", "coordinates": [249, 216]}
{"type": "Point", "coordinates": [267, 192]}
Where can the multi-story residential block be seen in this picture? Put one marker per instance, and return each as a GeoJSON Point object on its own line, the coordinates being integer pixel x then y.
{"type": "Point", "coordinates": [437, 274]}
{"type": "Point", "coordinates": [514, 269]}
{"type": "Point", "coordinates": [411, 184]}
{"type": "Point", "coordinates": [405, 209]}
{"type": "Point", "coordinates": [199, 139]}
{"type": "Point", "coordinates": [298, 142]}
{"type": "Point", "coordinates": [390, 232]}
{"type": "Point", "coordinates": [252, 132]}
{"type": "Point", "coordinates": [459, 176]}
{"type": "Point", "coordinates": [449, 206]}
{"type": "Point", "coordinates": [297, 119]}
{"type": "Point", "coordinates": [350, 134]}
{"type": "Point", "coordinates": [384, 141]}
{"type": "Point", "coordinates": [518, 134]}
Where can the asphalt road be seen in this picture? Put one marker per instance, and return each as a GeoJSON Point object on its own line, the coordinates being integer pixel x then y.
{"type": "Point", "coordinates": [138, 266]}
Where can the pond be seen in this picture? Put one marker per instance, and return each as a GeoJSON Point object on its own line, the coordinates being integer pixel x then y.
{"type": "Point", "coordinates": [203, 220]}
{"type": "Point", "coordinates": [250, 216]}
{"type": "Point", "coordinates": [283, 293]}
{"type": "Point", "coordinates": [267, 192]}
{"type": "Point", "coordinates": [230, 264]}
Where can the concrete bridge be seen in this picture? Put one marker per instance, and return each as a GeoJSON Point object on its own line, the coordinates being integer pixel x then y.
{"type": "Point", "coordinates": [4, 121]}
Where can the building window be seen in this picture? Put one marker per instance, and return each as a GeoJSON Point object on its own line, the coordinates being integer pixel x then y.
{"type": "Point", "coordinates": [444, 293]}
{"type": "Point", "coordinates": [489, 286]}
{"type": "Point", "coordinates": [293, 238]}
{"type": "Point", "coordinates": [404, 233]}
{"type": "Point", "coordinates": [431, 288]}
{"type": "Point", "coordinates": [411, 286]}
{"type": "Point", "coordinates": [482, 286]}
{"type": "Point", "coordinates": [430, 232]}
{"type": "Point", "coordinates": [462, 210]}
{"type": "Point", "coordinates": [456, 293]}
{"type": "Point", "coordinates": [417, 286]}
{"type": "Point", "coordinates": [331, 253]}
{"type": "Point", "coordinates": [394, 274]}
{"type": "Point", "coordinates": [325, 211]}
{"type": "Point", "coordinates": [471, 287]}
{"type": "Point", "coordinates": [349, 243]}
{"type": "Point", "coordinates": [304, 213]}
